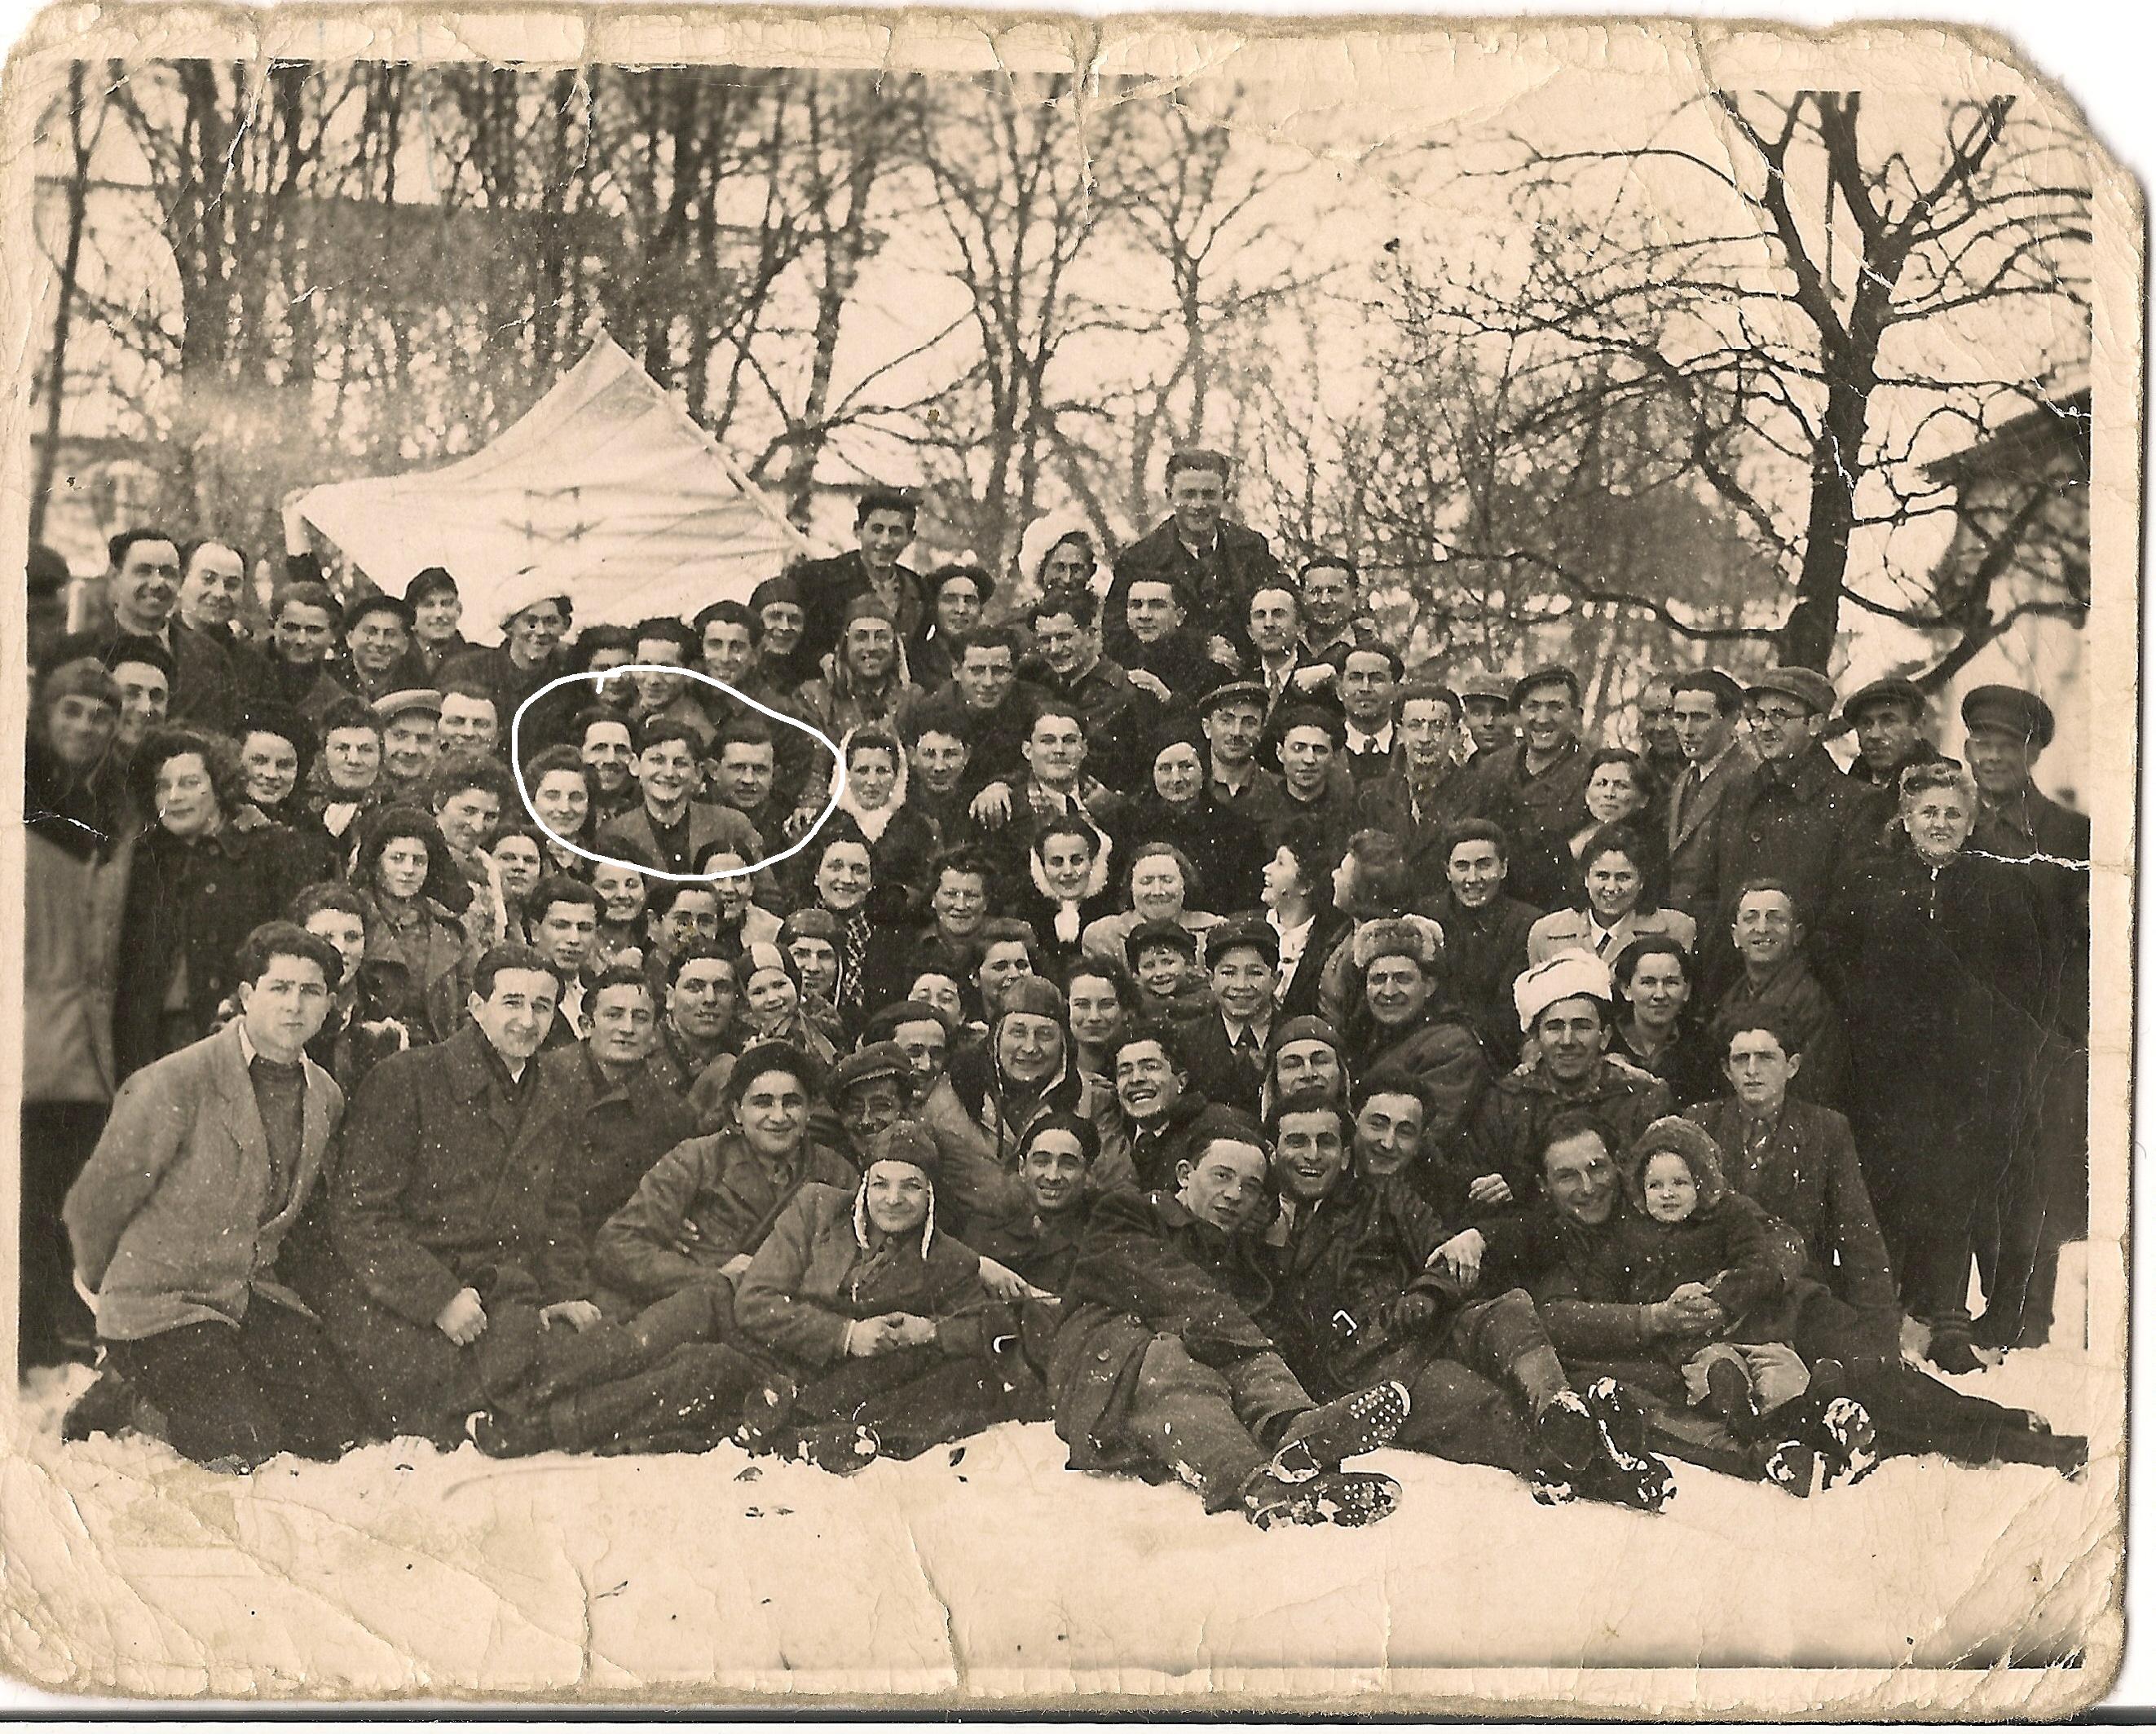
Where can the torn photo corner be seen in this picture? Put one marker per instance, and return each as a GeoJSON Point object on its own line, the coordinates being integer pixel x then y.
{"type": "Point", "coordinates": [1654, 504]}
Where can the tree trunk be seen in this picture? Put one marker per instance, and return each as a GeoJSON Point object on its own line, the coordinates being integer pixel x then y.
{"type": "Point", "coordinates": [79, 146]}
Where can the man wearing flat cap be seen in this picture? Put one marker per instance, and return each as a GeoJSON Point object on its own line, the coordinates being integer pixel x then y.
{"type": "Point", "coordinates": [1796, 818]}
{"type": "Point", "coordinates": [1536, 788]}
{"type": "Point", "coordinates": [1233, 716]}
{"type": "Point", "coordinates": [411, 724]}
{"type": "Point", "coordinates": [2008, 728]}
{"type": "Point", "coordinates": [1887, 718]}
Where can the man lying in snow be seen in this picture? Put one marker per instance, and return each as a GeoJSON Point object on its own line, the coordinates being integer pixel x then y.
{"type": "Point", "coordinates": [1159, 1368]}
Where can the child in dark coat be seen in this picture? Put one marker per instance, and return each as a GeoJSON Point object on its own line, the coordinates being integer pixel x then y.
{"type": "Point", "coordinates": [1690, 1237]}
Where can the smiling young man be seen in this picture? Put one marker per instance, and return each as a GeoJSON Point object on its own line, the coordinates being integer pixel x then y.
{"type": "Point", "coordinates": [1535, 788]}
{"type": "Point", "coordinates": [1777, 983]}
{"type": "Point", "coordinates": [669, 827]}
{"type": "Point", "coordinates": [1224, 1049]}
{"type": "Point", "coordinates": [883, 520]}
{"type": "Point", "coordinates": [176, 1221]}
{"type": "Point", "coordinates": [1217, 563]}
{"type": "Point", "coordinates": [1566, 1005]}
{"type": "Point", "coordinates": [623, 1114]}
{"type": "Point", "coordinates": [143, 593]}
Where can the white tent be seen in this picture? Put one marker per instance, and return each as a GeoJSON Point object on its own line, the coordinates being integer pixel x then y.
{"type": "Point", "coordinates": [605, 489]}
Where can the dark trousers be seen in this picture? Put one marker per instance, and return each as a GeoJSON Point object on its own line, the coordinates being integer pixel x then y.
{"type": "Point", "coordinates": [57, 1138]}
{"type": "Point", "coordinates": [237, 1396]}
{"type": "Point", "coordinates": [2042, 1202]}
{"type": "Point", "coordinates": [1463, 1400]}
{"type": "Point", "coordinates": [1214, 1427]}
{"type": "Point", "coordinates": [916, 1399]}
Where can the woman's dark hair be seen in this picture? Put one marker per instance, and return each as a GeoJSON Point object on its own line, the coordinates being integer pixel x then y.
{"type": "Point", "coordinates": [219, 757]}
{"type": "Point", "coordinates": [287, 725]}
{"type": "Point", "coordinates": [1643, 774]}
{"type": "Point", "coordinates": [1650, 945]}
{"type": "Point", "coordinates": [445, 884]}
{"type": "Point", "coordinates": [1380, 883]}
{"type": "Point", "coordinates": [1106, 969]}
{"type": "Point", "coordinates": [1633, 845]}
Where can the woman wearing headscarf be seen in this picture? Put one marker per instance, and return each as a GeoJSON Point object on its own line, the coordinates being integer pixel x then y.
{"type": "Point", "coordinates": [79, 842]}
{"type": "Point", "coordinates": [901, 841]}
{"type": "Point", "coordinates": [1176, 806]}
{"type": "Point", "coordinates": [1067, 863]}
{"type": "Point", "coordinates": [881, 1324]}
{"type": "Point", "coordinates": [773, 1009]}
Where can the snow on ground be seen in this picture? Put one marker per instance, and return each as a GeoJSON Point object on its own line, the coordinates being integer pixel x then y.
{"type": "Point", "coordinates": [404, 1571]}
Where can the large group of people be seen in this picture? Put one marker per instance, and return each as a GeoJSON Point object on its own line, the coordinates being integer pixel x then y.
{"type": "Point", "coordinates": [1189, 1024]}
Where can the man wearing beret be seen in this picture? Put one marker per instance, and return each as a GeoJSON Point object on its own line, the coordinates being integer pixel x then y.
{"type": "Point", "coordinates": [1535, 788]}
{"type": "Point", "coordinates": [1794, 819]}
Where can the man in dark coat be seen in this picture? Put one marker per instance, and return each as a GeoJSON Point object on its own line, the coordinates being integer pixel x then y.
{"type": "Point", "coordinates": [1536, 789]}
{"type": "Point", "coordinates": [1566, 1005]}
{"type": "Point", "coordinates": [2009, 728]}
{"type": "Point", "coordinates": [1151, 635]}
{"type": "Point", "coordinates": [459, 1288]}
{"type": "Point", "coordinates": [1119, 717]}
{"type": "Point", "coordinates": [1357, 1300]}
{"type": "Point", "coordinates": [1160, 1369]}
{"type": "Point", "coordinates": [884, 521]}
{"type": "Point", "coordinates": [1485, 933]}
{"type": "Point", "coordinates": [1423, 792]}
{"type": "Point", "coordinates": [1777, 983]}
{"type": "Point", "coordinates": [1225, 1049]}
{"type": "Point", "coordinates": [1796, 818]}
{"type": "Point", "coordinates": [1887, 718]}
{"type": "Point", "coordinates": [1708, 707]}
{"type": "Point", "coordinates": [1219, 564]}
{"type": "Point", "coordinates": [1160, 1113]}
{"type": "Point", "coordinates": [622, 1113]}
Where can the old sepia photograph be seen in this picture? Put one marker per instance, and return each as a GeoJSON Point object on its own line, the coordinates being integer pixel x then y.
{"type": "Point", "coordinates": [988, 863]}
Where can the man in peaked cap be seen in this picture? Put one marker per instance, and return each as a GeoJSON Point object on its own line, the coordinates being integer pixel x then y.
{"type": "Point", "coordinates": [2009, 728]}
{"type": "Point", "coordinates": [1796, 818]}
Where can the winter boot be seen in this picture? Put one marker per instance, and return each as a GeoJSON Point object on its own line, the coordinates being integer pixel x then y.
{"type": "Point", "coordinates": [1567, 1435]}
{"type": "Point", "coordinates": [1326, 1437]}
{"type": "Point", "coordinates": [1829, 1380]}
{"type": "Point", "coordinates": [1347, 1499]}
{"type": "Point", "coordinates": [1846, 1442]}
{"type": "Point", "coordinates": [1624, 1426]}
{"type": "Point", "coordinates": [1549, 1488]}
{"type": "Point", "coordinates": [1643, 1483]}
{"type": "Point", "coordinates": [1953, 1351]}
{"type": "Point", "coordinates": [108, 1406]}
{"type": "Point", "coordinates": [764, 1411]}
{"type": "Point", "coordinates": [1731, 1398]}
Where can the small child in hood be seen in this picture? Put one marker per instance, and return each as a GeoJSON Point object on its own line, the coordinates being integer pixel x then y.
{"type": "Point", "coordinates": [1690, 1240]}
{"type": "Point", "coordinates": [1163, 958]}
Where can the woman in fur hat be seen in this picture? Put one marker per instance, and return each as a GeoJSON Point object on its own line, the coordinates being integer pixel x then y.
{"type": "Point", "coordinates": [882, 1325]}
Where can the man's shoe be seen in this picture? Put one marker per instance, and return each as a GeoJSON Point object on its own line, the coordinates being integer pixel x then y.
{"type": "Point", "coordinates": [764, 1411]}
{"type": "Point", "coordinates": [1847, 1443]}
{"type": "Point", "coordinates": [497, 1435]}
{"type": "Point", "coordinates": [1791, 1465]}
{"type": "Point", "coordinates": [1640, 1484]}
{"type": "Point", "coordinates": [1953, 1351]}
{"type": "Point", "coordinates": [1347, 1499]}
{"type": "Point", "coordinates": [1624, 1424]}
{"type": "Point", "coordinates": [1568, 1434]}
{"type": "Point", "coordinates": [1730, 1398]}
{"type": "Point", "coordinates": [1326, 1437]}
{"type": "Point", "coordinates": [107, 1406]}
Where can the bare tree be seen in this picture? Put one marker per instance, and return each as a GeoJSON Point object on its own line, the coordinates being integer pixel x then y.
{"type": "Point", "coordinates": [1793, 306]}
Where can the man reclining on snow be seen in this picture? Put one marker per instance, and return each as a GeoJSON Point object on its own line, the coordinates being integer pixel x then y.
{"type": "Point", "coordinates": [1160, 1369]}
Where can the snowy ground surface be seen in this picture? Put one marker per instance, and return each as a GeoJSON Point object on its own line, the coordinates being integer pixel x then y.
{"type": "Point", "coordinates": [404, 1572]}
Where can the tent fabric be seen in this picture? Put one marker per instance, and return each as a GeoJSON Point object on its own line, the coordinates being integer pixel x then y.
{"type": "Point", "coordinates": [606, 488]}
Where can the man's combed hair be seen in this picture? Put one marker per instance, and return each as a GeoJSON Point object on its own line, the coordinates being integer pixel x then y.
{"type": "Point", "coordinates": [286, 939]}
{"type": "Point", "coordinates": [494, 959]}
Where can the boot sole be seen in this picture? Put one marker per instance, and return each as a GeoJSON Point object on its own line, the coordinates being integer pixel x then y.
{"type": "Point", "coordinates": [1364, 1421]}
